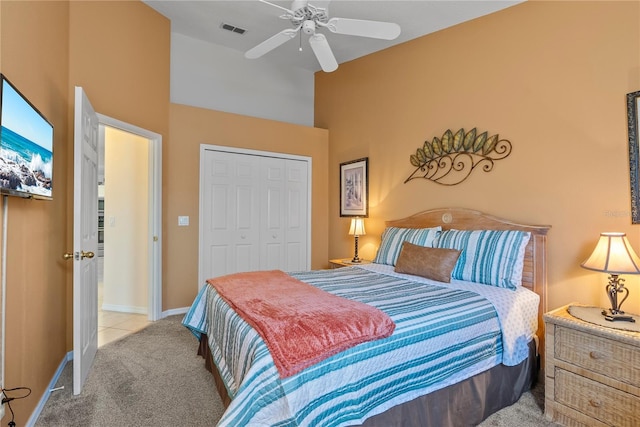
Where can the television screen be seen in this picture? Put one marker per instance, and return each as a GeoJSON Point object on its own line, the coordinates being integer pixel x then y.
{"type": "Point", "coordinates": [26, 146]}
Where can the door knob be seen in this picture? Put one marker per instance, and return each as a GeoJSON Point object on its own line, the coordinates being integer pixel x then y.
{"type": "Point", "coordinates": [78, 255]}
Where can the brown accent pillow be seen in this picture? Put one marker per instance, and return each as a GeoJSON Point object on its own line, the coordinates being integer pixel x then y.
{"type": "Point", "coordinates": [432, 263]}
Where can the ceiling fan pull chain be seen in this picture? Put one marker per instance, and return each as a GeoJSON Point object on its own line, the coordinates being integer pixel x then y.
{"type": "Point", "coordinates": [300, 38]}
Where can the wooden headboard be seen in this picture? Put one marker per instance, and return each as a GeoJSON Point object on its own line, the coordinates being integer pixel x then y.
{"type": "Point", "coordinates": [534, 274]}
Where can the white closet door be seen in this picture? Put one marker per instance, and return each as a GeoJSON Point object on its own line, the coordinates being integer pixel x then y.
{"type": "Point", "coordinates": [283, 215]}
{"type": "Point", "coordinates": [272, 208]}
{"type": "Point", "coordinates": [232, 219]}
{"type": "Point", "coordinates": [296, 211]}
{"type": "Point", "coordinates": [254, 213]}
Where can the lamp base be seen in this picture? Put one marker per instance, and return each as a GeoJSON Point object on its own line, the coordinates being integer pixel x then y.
{"type": "Point", "coordinates": [356, 260]}
{"type": "Point", "coordinates": [614, 317]}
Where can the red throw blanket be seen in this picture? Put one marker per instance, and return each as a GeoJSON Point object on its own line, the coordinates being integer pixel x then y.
{"type": "Point", "coordinates": [300, 323]}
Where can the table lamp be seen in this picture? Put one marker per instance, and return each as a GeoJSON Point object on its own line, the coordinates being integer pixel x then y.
{"type": "Point", "coordinates": [614, 255]}
{"type": "Point", "coordinates": [356, 229]}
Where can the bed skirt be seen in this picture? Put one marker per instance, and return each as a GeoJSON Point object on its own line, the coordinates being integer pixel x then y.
{"type": "Point", "coordinates": [466, 403]}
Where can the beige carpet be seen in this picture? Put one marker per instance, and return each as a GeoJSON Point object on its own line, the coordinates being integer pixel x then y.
{"type": "Point", "coordinates": [154, 378]}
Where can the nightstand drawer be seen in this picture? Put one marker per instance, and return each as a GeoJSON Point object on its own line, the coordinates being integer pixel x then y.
{"type": "Point", "coordinates": [598, 401]}
{"type": "Point", "coordinates": [610, 358]}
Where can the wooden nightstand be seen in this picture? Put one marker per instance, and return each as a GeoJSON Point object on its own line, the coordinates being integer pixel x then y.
{"type": "Point", "coordinates": [592, 373]}
{"type": "Point", "coordinates": [337, 263]}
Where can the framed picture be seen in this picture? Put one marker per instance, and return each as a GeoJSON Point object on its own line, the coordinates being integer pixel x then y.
{"type": "Point", "coordinates": [354, 188]}
{"type": "Point", "coordinates": [633, 116]}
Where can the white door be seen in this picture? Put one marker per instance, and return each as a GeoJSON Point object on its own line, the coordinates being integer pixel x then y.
{"type": "Point", "coordinates": [272, 221]}
{"type": "Point", "coordinates": [85, 239]}
{"type": "Point", "coordinates": [254, 212]}
{"type": "Point", "coordinates": [232, 219]}
{"type": "Point", "coordinates": [283, 214]}
{"type": "Point", "coordinates": [296, 208]}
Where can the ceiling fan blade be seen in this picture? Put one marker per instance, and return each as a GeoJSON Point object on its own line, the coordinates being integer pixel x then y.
{"type": "Point", "coordinates": [271, 43]}
{"type": "Point", "coordinates": [278, 6]}
{"type": "Point", "coordinates": [363, 28]}
{"type": "Point", "coordinates": [323, 52]}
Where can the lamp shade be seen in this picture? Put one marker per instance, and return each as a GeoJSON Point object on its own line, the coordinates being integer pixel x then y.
{"type": "Point", "coordinates": [613, 254]}
{"type": "Point", "coordinates": [357, 227]}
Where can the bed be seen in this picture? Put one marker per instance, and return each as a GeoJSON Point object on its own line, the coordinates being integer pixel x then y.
{"type": "Point", "coordinates": [460, 351]}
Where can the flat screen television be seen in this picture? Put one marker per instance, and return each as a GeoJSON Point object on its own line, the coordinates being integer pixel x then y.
{"type": "Point", "coordinates": [26, 146]}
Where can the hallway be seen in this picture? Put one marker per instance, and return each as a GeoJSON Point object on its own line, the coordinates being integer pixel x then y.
{"type": "Point", "coordinates": [113, 325]}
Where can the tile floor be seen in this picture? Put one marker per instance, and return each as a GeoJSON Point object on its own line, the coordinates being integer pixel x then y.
{"type": "Point", "coordinates": [113, 325]}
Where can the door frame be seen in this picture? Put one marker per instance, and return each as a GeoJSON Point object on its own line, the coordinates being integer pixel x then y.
{"type": "Point", "coordinates": [154, 290]}
{"type": "Point", "coordinates": [210, 147]}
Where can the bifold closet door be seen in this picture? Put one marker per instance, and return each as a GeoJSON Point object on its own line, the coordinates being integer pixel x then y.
{"type": "Point", "coordinates": [231, 213]}
{"type": "Point", "coordinates": [283, 214]}
{"type": "Point", "coordinates": [255, 213]}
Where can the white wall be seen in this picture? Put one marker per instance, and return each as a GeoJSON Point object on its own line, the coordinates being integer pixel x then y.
{"type": "Point", "coordinates": [217, 78]}
{"type": "Point", "coordinates": [126, 222]}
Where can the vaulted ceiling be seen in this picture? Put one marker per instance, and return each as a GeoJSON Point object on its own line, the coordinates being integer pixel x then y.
{"type": "Point", "coordinates": [204, 20]}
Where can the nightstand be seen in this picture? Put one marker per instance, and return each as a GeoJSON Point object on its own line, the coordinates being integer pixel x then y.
{"type": "Point", "coordinates": [592, 373]}
{"type": "Point", "coordinates": [337, 263]}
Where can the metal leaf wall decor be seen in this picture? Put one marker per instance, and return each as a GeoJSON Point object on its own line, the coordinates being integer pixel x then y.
{"type": "Point", "coordinates": [451, 159]}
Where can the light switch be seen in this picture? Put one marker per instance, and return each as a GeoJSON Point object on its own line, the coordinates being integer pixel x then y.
{"type": "Point", "coordinates": [183, 221]}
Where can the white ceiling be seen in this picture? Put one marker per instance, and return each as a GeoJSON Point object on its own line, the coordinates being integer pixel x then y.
{"type": "Point", "coordinates": [202, 20]}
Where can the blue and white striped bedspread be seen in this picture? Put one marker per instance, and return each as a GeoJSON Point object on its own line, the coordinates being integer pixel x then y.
{"type": "Point", "coordinates": [443, 335]}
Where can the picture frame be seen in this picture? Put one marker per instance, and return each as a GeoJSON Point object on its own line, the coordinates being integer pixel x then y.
{"type": "Point", "coordinates": [633, 117]}
{"type": "Point", "coordinates": [354, 188]}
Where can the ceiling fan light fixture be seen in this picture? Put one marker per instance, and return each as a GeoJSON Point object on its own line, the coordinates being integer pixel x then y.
{"type": "Point", "coordinates": [309, 27]}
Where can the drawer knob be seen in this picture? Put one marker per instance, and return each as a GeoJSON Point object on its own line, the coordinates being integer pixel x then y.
{"type": "Point", "coordinates": [594, 403]}
{"type": "Point", "coordinates": [595, 355]}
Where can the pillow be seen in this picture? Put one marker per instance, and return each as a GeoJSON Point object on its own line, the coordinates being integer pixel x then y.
{"type": "Point", "coordinates": [393, 237]}
{"type": "Point", "coordinates": [491, 257]}
{"type": "Point", "coordinates": [432, 263]}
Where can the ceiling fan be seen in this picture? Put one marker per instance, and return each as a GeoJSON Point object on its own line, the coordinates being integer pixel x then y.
{"type": "Point", "coordinates": [308, 18]}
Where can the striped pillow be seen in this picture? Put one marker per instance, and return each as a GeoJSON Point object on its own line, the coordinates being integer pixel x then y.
{"type": "Point", "coordinates": [393, 238]}
{"type": "Point", "coordinates": [491, 257]}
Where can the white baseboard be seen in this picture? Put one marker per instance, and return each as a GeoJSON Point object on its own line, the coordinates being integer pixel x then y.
{"type": "Point", "coordinates": [174, 311]}
{"type": "Point", "coordinates": [124, 308]}
{"type": "Point", "coordinates": [45, 396]}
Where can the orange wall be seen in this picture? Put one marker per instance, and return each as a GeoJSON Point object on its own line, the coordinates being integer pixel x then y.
{"type": "Point", "coordinates": [551, 77]}
{"type": "Point", "coordinates": [34, 56]}
{"type": "Point", "coordinates": [191, 127]}
{"type": "Point", "coordinates": [120, 55]}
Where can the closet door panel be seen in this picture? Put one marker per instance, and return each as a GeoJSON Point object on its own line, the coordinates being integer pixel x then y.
{"type": "Point", "coordinates": [272, 232]}
{"type": "Point", "coordinates": [230, 214]}
{"type": "Point", "coordinates": [296, 215]}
